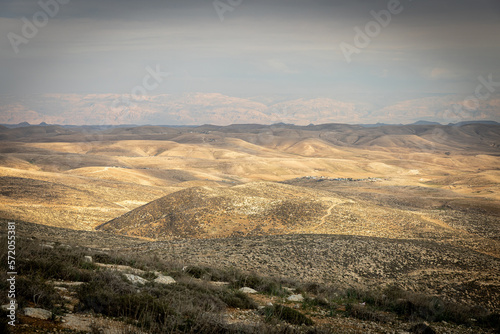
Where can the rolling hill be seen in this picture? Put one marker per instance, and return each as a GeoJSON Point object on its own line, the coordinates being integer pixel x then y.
{"type": "Point", "coordinates": [264, 208]}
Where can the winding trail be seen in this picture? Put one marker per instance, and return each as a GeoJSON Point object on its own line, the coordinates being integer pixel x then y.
{"type": "Point", "coordinates": [328, 213]}
{"type": "Point", "coordinates": [105, 169]}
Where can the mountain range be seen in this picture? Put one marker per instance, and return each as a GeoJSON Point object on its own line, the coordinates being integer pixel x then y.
{"type": "Point", "coordinates": [219, 109]}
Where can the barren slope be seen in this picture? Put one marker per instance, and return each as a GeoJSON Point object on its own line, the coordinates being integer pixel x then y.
{"type": "Point", "coordinates": [201, 212]}
{"type": "Point", "coordinates": [269, 208]}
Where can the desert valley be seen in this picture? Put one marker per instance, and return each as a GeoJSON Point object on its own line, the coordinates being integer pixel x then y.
{"type": "Point", "coordinates": [343, 215]}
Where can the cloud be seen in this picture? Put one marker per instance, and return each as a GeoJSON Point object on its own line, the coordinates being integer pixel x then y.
{"type": "Point", "coordinates": [279, 66]}
{"type": "Point", "coordinates": [95, 46]}
{"type": "Point", "coordinates": [442, 73]}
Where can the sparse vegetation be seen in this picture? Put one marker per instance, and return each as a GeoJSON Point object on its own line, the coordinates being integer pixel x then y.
{"type": "Point", "coordinates": [238, 279]}
{"type": "Point", "coordinates": [195, 305]}
{"type": "Point", "coordinates": [368, 305]}
{"type": "Point", "coordinates": [287, 314]}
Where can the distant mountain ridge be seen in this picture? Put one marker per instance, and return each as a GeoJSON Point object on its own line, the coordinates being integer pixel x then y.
{"type": "Point", "coordinates": [219, 109]}
{"type": "Point", "coordinates": [110, 126]}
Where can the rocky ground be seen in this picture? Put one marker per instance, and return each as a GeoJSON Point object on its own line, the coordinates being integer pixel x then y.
{"type": "Point", "coordinates": [334, 261]}
{"type": "Point", "coordinates": [454, 273]}
{"type": "Point", "coordinates": [424, 266]}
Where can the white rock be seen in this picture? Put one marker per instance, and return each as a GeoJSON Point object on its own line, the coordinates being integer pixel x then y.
{"type": "Point", "coordinates": [136, 279]}
{"type": "Point", "coordinates": [38, 313]}
{"type": "Point", "coordinates": [248, 290]}
{"type": "Point", "coordinates": [87, 258]}
{"type": "Point", "coordinates": [164, 280]}
{"type": "Point", "coordinates": [295, 298]}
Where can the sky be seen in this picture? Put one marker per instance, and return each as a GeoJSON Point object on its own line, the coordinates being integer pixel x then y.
{"type": "Point", "coordinates": [248, 47]}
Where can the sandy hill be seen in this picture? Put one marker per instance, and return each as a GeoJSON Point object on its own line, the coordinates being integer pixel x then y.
{"type": "Point", "coordinates": [482, 137]}
{"type": "Point", "coordinates": [421, 137]}
{"type": "Point", "coordinates": [262, 208]}
{"type": "Point", "coordinates": [199, 212]}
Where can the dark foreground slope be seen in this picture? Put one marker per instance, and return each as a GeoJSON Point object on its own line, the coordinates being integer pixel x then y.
{"type": "Point", "coordinates": [455, 274]}
{"type": "Point", "coordinates": [460, 275]}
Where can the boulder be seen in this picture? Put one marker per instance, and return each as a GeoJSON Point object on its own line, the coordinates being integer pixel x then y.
{"type": "Point", "coordinates": [164, 280]}
{"type": "Point", "coordinates": [37, 313]}
{"type": "Point", "coordinates": [87, 258]}
{"type": "Point", "coordinates": [136, 279]}
{"type": "Point", "coordinates": [248, 290]}
{"type": "Point", "coordinates": [295, 298]}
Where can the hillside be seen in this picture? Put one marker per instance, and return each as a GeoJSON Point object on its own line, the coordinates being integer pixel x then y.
{"type": "Point", "coordinates": [87, 282]}
{"type": "Point", "coordinates": [202, 212]}
{"type": "Point", "coordinates": [255, 209]}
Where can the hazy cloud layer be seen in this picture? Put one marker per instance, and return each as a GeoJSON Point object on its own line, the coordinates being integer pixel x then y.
{"type": "Point", "coordinates": [261, 47]}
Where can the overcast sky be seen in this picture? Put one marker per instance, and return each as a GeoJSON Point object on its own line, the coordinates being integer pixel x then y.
{"type": "Point", "coordinates": [260, 47]}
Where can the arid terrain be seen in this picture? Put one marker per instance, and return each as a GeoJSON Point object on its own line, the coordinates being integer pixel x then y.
{"type": "Point", "coordinates": [215, 108]}
{"type": "Point", "coordinates": [417, 206]}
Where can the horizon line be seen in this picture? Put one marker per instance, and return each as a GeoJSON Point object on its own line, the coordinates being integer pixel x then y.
{"type": "Point", "coordinates": [419, 122]}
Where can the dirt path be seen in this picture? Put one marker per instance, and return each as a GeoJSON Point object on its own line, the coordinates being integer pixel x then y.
{"type": "Point", "coordinates": [328, 213]}
{"type": "Point", "coordinates": [105, 169]}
